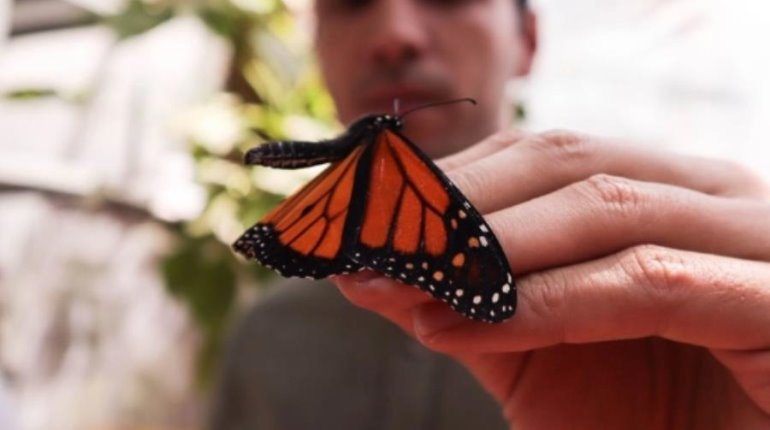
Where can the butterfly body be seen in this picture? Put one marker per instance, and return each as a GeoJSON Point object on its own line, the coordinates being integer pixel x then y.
{"type": "Point", "coordinates": [295, 155]}
{"type": "Point", "coordinates": [381, 205]}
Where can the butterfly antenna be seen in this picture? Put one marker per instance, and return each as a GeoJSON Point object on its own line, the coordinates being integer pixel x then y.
{"type": "Point", "coordinates": [429, 105]}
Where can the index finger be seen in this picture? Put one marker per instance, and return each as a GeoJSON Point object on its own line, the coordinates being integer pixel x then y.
{"type": "Point", "coordinates": [491, 145]}
{"type": "Point", "coordinates": [543, 163]}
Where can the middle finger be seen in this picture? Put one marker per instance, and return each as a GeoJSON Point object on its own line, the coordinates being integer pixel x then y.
{"type": "Point", "coordinates": [539, 164]}
{"type": "Point", "coordinates": [605, 214]}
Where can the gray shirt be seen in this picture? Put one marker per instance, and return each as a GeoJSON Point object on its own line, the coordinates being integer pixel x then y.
{"type": "Point", "coordinates": [305, 358]}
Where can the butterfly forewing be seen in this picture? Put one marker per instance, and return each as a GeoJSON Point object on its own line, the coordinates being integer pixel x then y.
{"type": "Point", "coordinates": [416, 226]}
{"type": "Point", "coordinates": [303, 236]}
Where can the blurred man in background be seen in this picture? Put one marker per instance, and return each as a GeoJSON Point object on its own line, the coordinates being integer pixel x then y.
{"type": "Point", "coordinates": [643, 298]}
{"type": "Point", "coordinates": [305, 357]}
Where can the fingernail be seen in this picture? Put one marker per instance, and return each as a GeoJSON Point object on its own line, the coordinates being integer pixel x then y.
{"type": "Point", "coordinates": [435, 318]}
{"type": "Point", "coordinates": [362, 277]}
{"type": "Point", "coordinates": [365, 276]}
{"type": "Point", "coordinates": [366, 283]}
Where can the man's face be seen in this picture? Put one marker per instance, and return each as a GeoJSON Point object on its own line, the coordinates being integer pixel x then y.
{"type": "Point", "coordinates": [423, 51]}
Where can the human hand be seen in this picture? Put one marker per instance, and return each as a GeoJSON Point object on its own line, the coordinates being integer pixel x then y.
{"type": "Point", "coordinates": [643, 283]}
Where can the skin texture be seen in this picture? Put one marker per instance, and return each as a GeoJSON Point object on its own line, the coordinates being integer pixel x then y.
{"type": "Point", "coordinates": [419, 51]}
{"type": "Point", "coordinates": [643, 277]}
{"type": "Point", "coordinates": [643, 287]}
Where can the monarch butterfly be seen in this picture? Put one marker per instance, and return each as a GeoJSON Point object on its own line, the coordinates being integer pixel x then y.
{"type": "Point", "coordinates": [381, 205]}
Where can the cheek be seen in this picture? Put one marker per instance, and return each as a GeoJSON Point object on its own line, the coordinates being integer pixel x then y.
{"type": "Point", "coordinates": [482, 64]}
{"type": "Point", "coordinates": [483, 54]}
{"type": "Point", "coordinates": [328, 51]}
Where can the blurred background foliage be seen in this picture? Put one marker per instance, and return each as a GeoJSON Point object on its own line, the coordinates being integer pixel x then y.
{"type": "Point", "coordinates": [272, 91]}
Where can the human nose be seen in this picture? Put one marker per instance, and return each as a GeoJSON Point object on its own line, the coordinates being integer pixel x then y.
{"type": "Point", "coordinates": [397, 33]}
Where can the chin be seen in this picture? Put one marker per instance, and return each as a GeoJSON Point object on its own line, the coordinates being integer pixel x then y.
{"type": "Point", "coordinates": [430, 140]}
{"type": "Point", "coordinates": [431, 130]}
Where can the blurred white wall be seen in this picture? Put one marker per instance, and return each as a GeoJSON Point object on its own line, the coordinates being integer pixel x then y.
{"type": "Point", "coordinates": [686, 75]}
{"type": "Point", "coordinates": [89, 336]}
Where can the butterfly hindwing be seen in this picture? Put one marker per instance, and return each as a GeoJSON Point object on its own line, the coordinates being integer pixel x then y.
{"type": "Point", "coordinates": [412, 224]}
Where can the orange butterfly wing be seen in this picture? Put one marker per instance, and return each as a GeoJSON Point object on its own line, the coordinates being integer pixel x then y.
{"type": "Point", "coordinates": [407, 221]}
{"type": "Point", "coordinates": [417, 227]}
{"type": "Point", "coordinates": [303, 236]}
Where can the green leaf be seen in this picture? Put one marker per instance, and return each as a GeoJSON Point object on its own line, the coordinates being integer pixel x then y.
{"type": "Point", "coordinates": [201, 273]}
{"type": "Point", "coordinates": [274, 79]}
{"type": "Point", "coordinates": [138, 17]}
{"type": "Point", "coordinates": [31, 93]}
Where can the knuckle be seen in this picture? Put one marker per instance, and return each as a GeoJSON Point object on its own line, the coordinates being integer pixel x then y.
{"type": "Point", "coordinates": [471, 181]}
{"type": "Point", "coordinates": [745, 180]}
{"type": "Point", "coordinates": [565, 146]}
{"type": "Point", "coordinates": [615, 194]}
{"type": "Point", "coordinates": [546, 296]}
{"type": "Point", "coordinates": [740, 170]}
{"type": "Point", "coordinates": [504, 139]}
{"type": "Point", "coordinates": [659, 269]}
